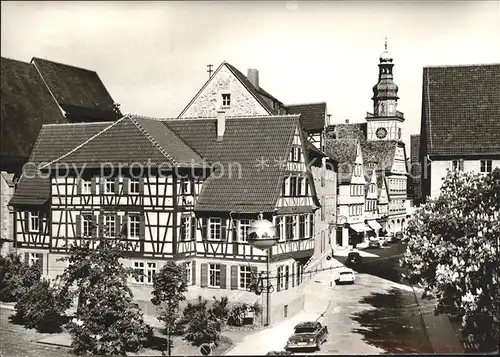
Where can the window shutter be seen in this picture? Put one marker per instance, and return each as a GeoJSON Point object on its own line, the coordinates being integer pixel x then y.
{"type": "Point", "coordinates": [78, 186]}
{"type": "Point", "coordinates": [306, 184]}
{"type": "Point", "coordinates": [234, 277]}
{"type": "Point", "coordinates": [26, 221]}
{"type": "Point", "coordinates": [182, 230]}
{"type": "Point", "coordinates": [27, 257]}
{"type": "Point", "coordinates": [101, 225]}
{"type": "Point", "coordinates": [101, 185]}
{"type": "Point", "coordinates": [142, 227]}
{"type": "Point", "coordinates": [93, 185]}
{"type": "Point", "coordinates": [78, 230]}
{"type": "Point", "coordinates": [223, 230]}
{"type": "Point", "coordinates": [117, 185]}
{"type": "Point", "coordinates": [193, 228]}
{"type": "Point", "coordinates": [278, 280]}
{"type": "Point", "coordinates": [322, 177]}
{"type": "Point", "coordinates": [204, 275]}
{"type": "Point", "coordinates": [117, 224]}
{"type": "Point", "coordinates": [293, 275]}
{"type": "Point", "coordinates": [94, 226]}
{"type": "Point", "coordinates": [323, 208]}
{"type": "Point", "coordinates": [193, 271]}
{"type": "Point", "coordinates": [287, 274]}
{"type": "Point", "coordinates": [126, 183]}
{"type": "Point", "coordinates": [124, 225]}
{"type": "Point", "coordinates": [40, 262]}
{"type": "Point", "coordinates": [204, 223]}
{"type": "Point", "coordinates": [254, 272]}
{"type": "Point", "coordinates": [223, 273]}
{"type": "Point", "coordinates": [141, 185]}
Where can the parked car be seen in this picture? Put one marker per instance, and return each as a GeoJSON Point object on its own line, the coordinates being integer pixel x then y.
{"type": "Point", "coordinates": [345, 276]}
{"type": "Point", "coordinates": [279, 353]}
{"type": "Point", "coordinates": [353, 258]}
{"type": "Point", "coordinates": [398, 236]}
{"type": "Point", "coordinates": [307, 335]}
{"type": "Point", "coordinates": [374, 243]}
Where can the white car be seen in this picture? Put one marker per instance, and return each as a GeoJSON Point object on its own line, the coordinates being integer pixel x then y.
{"type": "Point", "coordinates": [345, 276]}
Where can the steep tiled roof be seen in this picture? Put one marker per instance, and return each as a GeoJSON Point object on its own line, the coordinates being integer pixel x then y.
{"type": "Point", "coordinates": [246, 142]}
{"type": "Point", "coordinates": [380, 152]}
{"type": "Point", "coordinates": [312, 116]}
{"type": "Point", "coordinates": [461, 109]}
{"type": "Point", "coordinates": [25, 106]}
{"type": "Point", "coordinates": [344, 152]}
{"type": "Point", "coordinates": [133, 140]}
{"type": "Point", "coordinates": [53, 141]}
{"type": "Point", "coordinates": [351, 131]}
{"type": "Point", "coordinates": [258, 93]}
{"type": "Point", "coordinates": [80, 92]}
{"type": "Point", "coordinates": [414, 148]}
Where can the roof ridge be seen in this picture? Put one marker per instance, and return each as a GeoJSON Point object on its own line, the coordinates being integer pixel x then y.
{"type": "Point", "coordinates": [15, 60]}
{"type": "Point", "coordinates": [295, 104]}
{"type": "Point", "coordinates": [462, 65]}
{"type": "Point", "coordinates": [239, 116]}
{"type": "Point", "coordinates": [153, 141]}
{"type": "Point", "coordinates": [139, 116]}
{"type": "Point", "coordinates": [62, 64]}
{"type": "Point", "coordinates": [76, 124]}
{"type": "Point", "coordinates": [85, 142]}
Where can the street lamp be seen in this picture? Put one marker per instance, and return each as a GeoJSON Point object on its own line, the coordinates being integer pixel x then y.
{"type": "Point", "coordinates": [262, 235]}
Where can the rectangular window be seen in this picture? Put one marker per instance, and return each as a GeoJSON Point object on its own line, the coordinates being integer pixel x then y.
{"type": "Point", "coordinates": [86, 187]}
{"type": "Point", "coordinates": [293, 186]}
{"type": "Point", "coordinates": [281, 278]}
{"type": "Point", "coordinates": [139, 269]}
{"type": "Point", "coordinates": [87, 225]}
{"type": "Point", "coordinates": [109, 186]}
{"type": "Point", "coordinates": [186, 228]}
{"type": "Point", "coordinates": [150, 273]}
{"type": "Point", "coordinates": [109, 226]}
{"type": "Point", "coordinates": [302, 226]}
{"type": "Point", "coordinates": [282, 229]}
{"type": "Point", "coordinates": [289, 227]}
{"type": "Point", "coordinates": [244, 224]}
{"type": "Point", "coordinates": [133, 186]}
{"type": "Point", "coordinates": [308, 223]}
{"type": "Point", "coordinates": [245, 276]}
{"type": "Point", "coordinates": [226, 100]}
{"type": "Point", "coordinates": [189, 273]}
{"type": "Point", "coordinates": [486, 165]}
{"type": "Point", "coordinates": [299, 186]}
{"type": "Point", "coordinates": [34, 221]}
{"type": "Point", "coordinates": [306, 187]}
{"type": "Point", "coordinates": [134, 226]}
{"type": "Point", "coordinates": [34, 259]}
{"type": "Point", "coordinates": [214, 225]}
{"type": "Point", "coordinates": [214, 275]}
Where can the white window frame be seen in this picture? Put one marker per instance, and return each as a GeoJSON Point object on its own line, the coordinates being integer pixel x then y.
{"type": "Point", "coordinates": [151, 269]}
{"type": "Point", "coordinates": [213, 271]}
{"type": "Point", "coordinates": [87, 225]}
{"type": "Point", "coordinates": [86, 186]}
{"type": "Point", "coordinates": [186, 223]}
{"type": "Point", "coordinates": [186, 187]}
{"type": "Point", "coordinates": [486, 166]}
{"type": "Point", "coordinates": [189, 273]}
{"type": "Point", "coordinates": [244, 276]}
{"type": "Point", "coordinates": [34, 221]}
{"type": "Point", "coordinates": [133, 186]}
{"type": "Point", "coordinates": [33, 259]}
{"type": "Point", "coordinates": [109, 182]}
{"type": "Point", "coordinates": [107, 219]}
{"type": "Point", "coordinates": [214, 222]}
{"type": "Point", "coordinates": [139, 266]}
{"type": "Point", "coordinates": [226, 100]}
{"type": "Point", "coordinates": [134, 227]}
{"type": "Point", "coordinates": [307, 226]}
{"type": "Point", "coordinates": [282, 224]}
{"type": "Point", "coordinates": [243, 225]}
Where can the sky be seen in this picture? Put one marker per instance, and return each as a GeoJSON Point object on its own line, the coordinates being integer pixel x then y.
{"type": "Point", "coordinates": [153, 56]}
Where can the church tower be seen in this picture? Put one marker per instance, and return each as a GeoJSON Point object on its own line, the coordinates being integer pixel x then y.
{"type": "Point", "coordinates": [386, 122]}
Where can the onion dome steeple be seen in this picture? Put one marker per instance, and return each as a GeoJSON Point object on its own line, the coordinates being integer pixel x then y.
{"type": "Point", "coordinates": [385, 92]}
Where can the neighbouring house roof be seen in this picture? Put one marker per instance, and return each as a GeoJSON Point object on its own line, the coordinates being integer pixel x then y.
{"type": "Point", "coordinates": [379, 152]}
{"type": "Point", "coordinates": [53, 141]}
{"type": "Point", "coordinates": [461, 110]}
{"type": "Point", "coordinates": [132, 140]}
{"type": "Point", "coordinates": [351, 131]}
{"type": "Point", "coordinates": [381, 180]}
{"type": "Point", "coordinates": [247, 143]}
{"type": "Point", "coordinates": [414, 148]}
{"type": "Point", "coordinates": [344, 152]}
{"type": "Point", "coordinates": [312, 116]}
{"type": "Point", "coordinates": [80, 92]}
{"type": "Point", "coordinates": [26, 105]}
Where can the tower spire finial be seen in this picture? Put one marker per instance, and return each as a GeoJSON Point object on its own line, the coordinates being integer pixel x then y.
{"type": "Point", "coordinates": [386, 43]}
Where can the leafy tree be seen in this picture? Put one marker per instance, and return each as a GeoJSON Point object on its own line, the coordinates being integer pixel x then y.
{"type": "Point", "coordinates": [16, 277]}
{"type": "Point", "coordinates": [169, 287]}
{"type": "Point", "coordinates": [107, 321]}
{"type": "Point", "coordinates": [453, 250]}
{"type": "Point", "coordinates": [42, 307]}
{"type": "Point", "coordinates": [220, 310]}
{"type": "Point", "coordinates": [201, 325]}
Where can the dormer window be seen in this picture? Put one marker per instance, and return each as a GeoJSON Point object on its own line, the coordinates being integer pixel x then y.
{"type": "Point", "coordinates": [226, 100]}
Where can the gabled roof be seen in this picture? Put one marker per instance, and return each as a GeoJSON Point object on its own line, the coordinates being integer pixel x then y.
{"type": "Point", "coordinates": [344, 152]}
{"type": "Point", "coordinates": [414, 148]}
{"type": "Point", "coordinates": [26, 105]}
{"type": "Point", "coordinates": [53, 141]}
{"type": "Point", "coordinates": [247, 143]}
{"type": "Point", "coordinates": [132, 140]}
{"type": "Point", "coordinates": [381, 182]}
{"type": "Point", "coordinates": [312, 116]}
{"type": "Point", "coordinates": [79, 91]}
{"type": "Point", "coordinates": [461, 110]}
{"type": "Point", "coordinates": [379, 152]}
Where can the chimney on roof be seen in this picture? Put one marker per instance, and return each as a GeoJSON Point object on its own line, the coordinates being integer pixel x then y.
{"type": "Point", "coordinates": [253, 77]}
{"type": "Point", "coordinates": [347, 121]}
{"type": "Point", "coordinates": [221, 124]}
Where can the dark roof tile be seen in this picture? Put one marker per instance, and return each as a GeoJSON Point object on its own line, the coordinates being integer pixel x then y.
{"type": "Point", "coordinates": [312, 116]}
{"type": "Point", "coordinates": [414, 148]}
{"type": "Point", "coordinates": [379, 152]}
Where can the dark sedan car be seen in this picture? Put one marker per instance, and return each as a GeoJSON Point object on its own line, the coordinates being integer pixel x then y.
{"type": "Point", "coordinates": [308, 335]}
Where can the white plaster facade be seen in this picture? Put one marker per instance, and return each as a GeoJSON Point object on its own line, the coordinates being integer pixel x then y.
{"type": "Point", "coordinates": [6, 216]}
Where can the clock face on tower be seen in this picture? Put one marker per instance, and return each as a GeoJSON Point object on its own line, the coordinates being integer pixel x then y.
{"type": "Point", "coordinates": [381, 133]}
